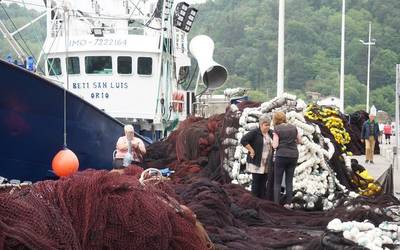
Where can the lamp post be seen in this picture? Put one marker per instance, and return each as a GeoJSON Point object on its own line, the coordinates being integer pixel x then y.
{"type": "Point", "coordinates": [281, 49]}
{"type": "Point", "coordinates": [342, 57]}
{"type": "Point", "coordinates": [397, 116]}
{"type": "Point", "coordinates": [396, 155]}
{"type": "Point", "coordinates": [369, 43]}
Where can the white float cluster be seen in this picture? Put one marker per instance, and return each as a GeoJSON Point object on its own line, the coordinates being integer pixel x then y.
{"type": "Point", "coordinates": [365, 234]}
{"type": "Point", "coordinates": [313, 179]}
{"type": "Point", "coordinates": [5, 183]}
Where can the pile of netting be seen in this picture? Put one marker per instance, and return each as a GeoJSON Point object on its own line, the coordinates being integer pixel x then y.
{"type": "Point", "coordinates": [234, 219]}
{"type": "Point", "coordinates": [333, 125]}
{"type": "Point", "coordinates": [323, 175]}
{"type": "Point", "coordinates": [344, 130]}
{"type": "Point", "coordinates": [102, 210]}
{"type": "Point", "coordinates": [345, 133]}
{"type": "Point", "coordinates": [203, 177]}
{"type": "Point", "coordinates": [97, 210]}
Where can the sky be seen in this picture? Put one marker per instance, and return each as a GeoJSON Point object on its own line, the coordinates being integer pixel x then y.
{"type": "Point", "coordinates": [35, 3]}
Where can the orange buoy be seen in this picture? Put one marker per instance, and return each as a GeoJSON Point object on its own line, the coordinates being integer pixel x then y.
{"type": "Point", "coordinates": [65, 163]}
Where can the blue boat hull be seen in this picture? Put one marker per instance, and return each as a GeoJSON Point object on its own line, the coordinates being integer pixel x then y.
{"type": "Point", "coordinates": [32, 127]}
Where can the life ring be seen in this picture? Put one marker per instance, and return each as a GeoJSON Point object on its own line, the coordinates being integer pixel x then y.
{"type": "Point", "coordinates": [178, 101]}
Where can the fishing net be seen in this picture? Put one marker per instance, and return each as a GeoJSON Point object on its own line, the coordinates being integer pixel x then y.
{"type": "Point", "coordinates": [315, 182]}
{"type": "Point", "coordinates": [96, 210]}
{"type": "Point", "coordinates": [206, 157]}
{"type": "Point", "coordinates": [345, 132]}
{"type": "Point", "coordinates": [234, 219]}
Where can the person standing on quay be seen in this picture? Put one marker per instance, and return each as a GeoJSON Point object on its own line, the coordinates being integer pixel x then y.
{"type": "Point", "coordinates": [369, 135]}
{"type": "Point", "coordinates": [387, 131]}
{"type": "Point", "coordinates": [259, 144]}
{"type": "Point", "coordinates": [285, 140]}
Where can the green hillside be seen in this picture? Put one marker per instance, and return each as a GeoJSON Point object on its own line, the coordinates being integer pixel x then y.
{"type": "Point", "coordinates": [245, 33]}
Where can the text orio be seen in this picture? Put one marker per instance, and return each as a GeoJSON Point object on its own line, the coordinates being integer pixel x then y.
{"type": "Point", "coordinates": [99, 95]}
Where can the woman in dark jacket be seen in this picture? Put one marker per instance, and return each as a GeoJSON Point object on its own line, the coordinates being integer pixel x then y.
{"type": "Point", "coordinates": [285, 140]}
{"type": "Point", "coordinates": [259, 144]}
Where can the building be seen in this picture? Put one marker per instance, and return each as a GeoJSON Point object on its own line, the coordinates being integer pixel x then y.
{"type": "Point", "coordinates": [329, 101]}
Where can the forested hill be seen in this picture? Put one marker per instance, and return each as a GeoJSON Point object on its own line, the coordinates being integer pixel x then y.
{"type": "Point", "coordinates": [32, 38]}
{"type": "Point", "coordinates": [245, 33]}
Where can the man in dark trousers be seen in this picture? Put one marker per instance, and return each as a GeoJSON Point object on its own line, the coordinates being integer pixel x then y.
{"type": "Point", "coordinates": [369, 135]}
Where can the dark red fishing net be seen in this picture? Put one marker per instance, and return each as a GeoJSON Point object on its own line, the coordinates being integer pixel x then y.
{"type": "Point", "coordinates": [95, 210]}
{"type": "Point", "coordinates": [233, 218]}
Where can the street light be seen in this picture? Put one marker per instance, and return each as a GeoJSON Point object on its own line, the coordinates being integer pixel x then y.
{"type": "Point", "coordinates": [342, 57]}
{"type": "Point", "coordinates": [369, 43]}
{"type": "Point", "coordinates": [281, 50]}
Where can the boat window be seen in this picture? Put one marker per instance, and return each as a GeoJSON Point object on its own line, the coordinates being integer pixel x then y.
{"type": "Point", "coordinates": [98, 65]}
{"type": "Point", "coordinates": [124, 65]}
{"type": "Point", "coordinates": [145, 66]}
{"type": "Point", "coordinates": [73, 65]}
{"type": "Point", "coordinates": [54, 66]}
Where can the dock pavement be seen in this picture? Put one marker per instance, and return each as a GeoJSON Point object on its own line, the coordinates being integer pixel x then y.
{"type": "Point", "coordinates": [382, 163]}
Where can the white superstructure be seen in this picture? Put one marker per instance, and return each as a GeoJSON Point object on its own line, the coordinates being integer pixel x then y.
{"type": "Point", "coordinates": [123, 56]}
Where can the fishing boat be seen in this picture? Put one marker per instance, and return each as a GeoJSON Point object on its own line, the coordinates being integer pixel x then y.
{"type": "Point", "coordinates": [32, 126]}
{"type": "Point", "coordinates": [106, 63]}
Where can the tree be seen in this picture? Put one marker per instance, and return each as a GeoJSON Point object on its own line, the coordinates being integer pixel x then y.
{"type": "Point", "coordinates": [384, 99]}
{"type": "Point", "coordinates": [355, 91]}
{"type": "Point", "coordinates": [383, 68]}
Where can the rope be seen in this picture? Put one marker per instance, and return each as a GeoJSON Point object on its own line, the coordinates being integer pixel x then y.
{"type": "Point", "coordinates": [191, 78]}
{"type": "Point", "coordinates": [163, 99]}
{"type": "Point", "coordinates": [66, 36]}
{"type": "Point", "coordinates": [137, 8]}
{"type": "Point", "coordinates": [147, 24]}
{"type": "Point", "coordinates": [199, 95]}
{"type": "Point", "coordinates": [169, 71]}
{"type": "Point", "coordinates": [150, 174]}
